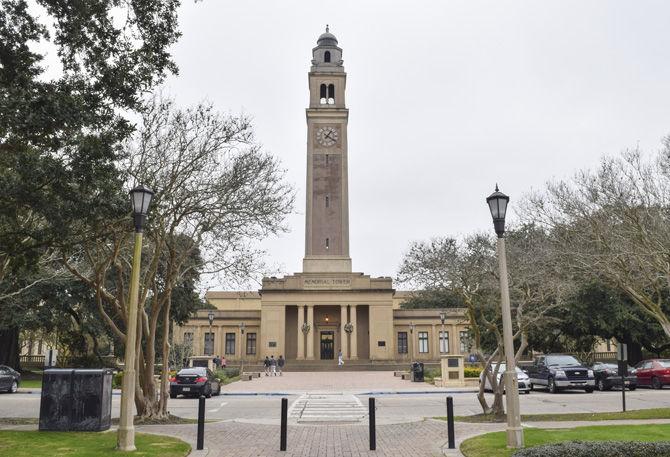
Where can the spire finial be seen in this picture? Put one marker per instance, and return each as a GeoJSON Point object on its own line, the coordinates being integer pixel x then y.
{"type": "Point", "coordinates": [497, 188]}
{"type": "Point", "coordinates": [327, 28]}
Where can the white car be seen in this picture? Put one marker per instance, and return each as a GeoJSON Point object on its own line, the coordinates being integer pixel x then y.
{"type": "Point", "coordinates": [523, 379]}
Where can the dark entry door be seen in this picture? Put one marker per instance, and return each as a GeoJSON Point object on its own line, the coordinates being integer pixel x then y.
{"type": "Point", "coordinates": [327, 345]}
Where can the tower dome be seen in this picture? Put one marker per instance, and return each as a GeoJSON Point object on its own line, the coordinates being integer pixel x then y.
{"type": "Point", "coordinates": [327, 39]}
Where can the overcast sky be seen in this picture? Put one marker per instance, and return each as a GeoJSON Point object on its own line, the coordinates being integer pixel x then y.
{"type": "Point", "coordinates": [446, 98]}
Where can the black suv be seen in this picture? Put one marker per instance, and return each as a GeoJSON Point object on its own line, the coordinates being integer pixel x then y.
{"type": "Point", "coordinates": [559, 371]}
{"type": "Point", "coordinates": [9, 379]}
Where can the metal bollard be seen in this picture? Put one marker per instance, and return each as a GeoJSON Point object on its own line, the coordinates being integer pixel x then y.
{"type": "Point", "coordinates": [284, 419]}
{"type": "Point", "coordinates": [450, 422]}
{"type": "Point", "coordinates": [201, 423]}
{"type": "Point", "coordinates": [373, 430]}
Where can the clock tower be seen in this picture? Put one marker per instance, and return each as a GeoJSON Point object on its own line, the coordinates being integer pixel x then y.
{"type": "Point", "coordinates": [327, 214]}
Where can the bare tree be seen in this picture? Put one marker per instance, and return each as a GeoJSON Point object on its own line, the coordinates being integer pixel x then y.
{"type": "Point", "coordinates": [469, 268]}
{"type": "Point", "coordinates": [217, 193]}
{"type": "Point", "coordinates": [613, 224]}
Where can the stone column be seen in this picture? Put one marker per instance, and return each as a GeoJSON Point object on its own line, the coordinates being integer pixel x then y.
{"type": "Point", "coordinates": [343, 333]}
{"type": "Point", "coordinates": [301, 335]}
{"type": "Point", "coordinates": [354, 334]}
{"type": "Point", "coordinates": [312, 330]}
{"type": "Point", "coordinates": [454, 340]}
{"type": "Point", "coordinates": [220, 341]}
{"type": "Point", "coordinates": [436, 339]}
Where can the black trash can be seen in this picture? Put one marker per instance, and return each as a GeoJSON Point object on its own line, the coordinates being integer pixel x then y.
{"type": "Point", "coordinates": [76, 400]}
{"type": "Point", "coordinates": [417, 371]}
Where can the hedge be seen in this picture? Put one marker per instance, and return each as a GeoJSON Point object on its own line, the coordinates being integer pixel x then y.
{"type": "Point", "coordinates": [472, 372]}
{"type": "Point", "coordinates": [598, 449]}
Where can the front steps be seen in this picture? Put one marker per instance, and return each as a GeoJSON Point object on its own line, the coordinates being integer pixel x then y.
{"type": "Point", "coordinates": [331, 365]}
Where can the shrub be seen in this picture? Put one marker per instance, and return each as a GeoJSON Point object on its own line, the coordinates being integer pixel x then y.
{"type": "Point", "coordinates": [230, 372]}
{"type": "Point", "coordinates": [430, 373]}
{"type": "Point", "coordinates": [598, 449]}
{"type": "Point", "coordinates": [117, 380]}
{"type": "Point", "coordinates": [472, 372]}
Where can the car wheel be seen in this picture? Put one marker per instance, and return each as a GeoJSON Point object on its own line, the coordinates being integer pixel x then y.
{"type": "Point", "coordinates": [15, 387]}
{"type": "Point", "coordinates": [588, 390]}
{"type": "Point", "coordinates": [208, 392]}
{"type": "Point", "coordinates": [632, 388]}
{"type": "Point", "coordinates": [173, 395]}
{"type": "Point", "coordinates": [551, 386]}
{"type": "Point", "coordinates": [656, 383]}
{"type": "Point", "coordinates": [218, 390]}
{"type": "Point", "coordinates": [530, 387]}
{"type": "Point", "coordinates": [601, 385]}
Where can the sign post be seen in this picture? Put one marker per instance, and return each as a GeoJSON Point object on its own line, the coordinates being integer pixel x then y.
{"type": "Point", "coordinates": [622, 358]}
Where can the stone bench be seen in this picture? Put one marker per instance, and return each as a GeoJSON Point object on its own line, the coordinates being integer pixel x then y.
{"type": "Point", "coordinates": [398, 374]}
{"type": "Point", "coordinates": [246, 377]}
{"type": "Point", "coordinates": [253, 374]}
{"type": "Point", "coordinates": [406, 376]}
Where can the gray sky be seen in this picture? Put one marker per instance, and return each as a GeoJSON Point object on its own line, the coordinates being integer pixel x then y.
{"type": "Point", "coordinates": [446, 98]}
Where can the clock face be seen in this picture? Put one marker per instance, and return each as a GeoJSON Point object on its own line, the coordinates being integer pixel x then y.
{"type": "Point", "coordinates": [327, 136]}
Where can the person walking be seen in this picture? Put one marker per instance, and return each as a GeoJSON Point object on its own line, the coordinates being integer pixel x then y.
{"type": "Point", "coordinates": [273, 365]}
{"type": "Point", "coordinates": [223, 361]}
{"type": "Point", "coordinates": [280, 364]}
{"type": "Point", "coordinates": [340, 358]}
{"type": "Point", "coordinates": [266, 364]}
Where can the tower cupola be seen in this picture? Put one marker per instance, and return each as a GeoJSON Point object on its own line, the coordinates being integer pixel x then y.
{"type": "Point", "coordinates": [327, 56]}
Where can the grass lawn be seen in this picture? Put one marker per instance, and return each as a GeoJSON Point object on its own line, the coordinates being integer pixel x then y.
{"type": "Point", "coordinates": [495, 444]}
{"type": "Point", "coordinates": [31, 383]}
{"type": "Point", "coordinates": [654, 413]}
{"type": "Point", "coordinates": [85, 444]}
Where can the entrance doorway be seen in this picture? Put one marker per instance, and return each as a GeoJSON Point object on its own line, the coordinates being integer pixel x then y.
{"type": "Point", "coordinates": [327, 345]}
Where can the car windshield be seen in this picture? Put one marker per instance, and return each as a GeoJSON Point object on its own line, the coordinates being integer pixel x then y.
{"type": "Point", "coordinates": [664, 363]}
{"type": "Point", "coordinates": [609, 366]}
{"type": "Point", "coordinates": [562, 360]}
{"type": "Point", "coordinates": [191, 371]}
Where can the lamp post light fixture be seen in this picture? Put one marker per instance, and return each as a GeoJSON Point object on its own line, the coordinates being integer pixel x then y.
{"type": "Point", "coordinates": [140, 198]}
{"type": "Point", "coordinates": [210, 318]}
{"type": "Point", "coordinates": [411, 339]}
{"type": "Point", "coordinates": [497, 202]}
{"type": "Point", "coordinates": [443, 317]}
{"type": "Point", "coordinates": [243, 347]}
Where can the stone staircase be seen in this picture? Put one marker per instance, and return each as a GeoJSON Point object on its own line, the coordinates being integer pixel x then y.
{"type": "Point", "coordinates": [331, 365]}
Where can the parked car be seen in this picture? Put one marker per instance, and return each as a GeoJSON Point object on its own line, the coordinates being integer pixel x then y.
{"type": "Point", "coordinates": [654, 373]}
{"type": "Point", "coordinates": [559, 371]}
{"type": "Point", "coordinates": [524, 381]}
{"type": "Point", "coordinates": [195, 382]}
{"type": "Point", "coordinates": [607, 376]}
{"type": "Point", "coordinates": [9, 379]}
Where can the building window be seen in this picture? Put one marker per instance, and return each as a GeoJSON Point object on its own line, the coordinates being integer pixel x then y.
{"type": "Point", "coordinates": [464, 337]}
{"type": "Point", "coordinates": [402, 342]}
{"type": "Point", "coordinates": [331, 94]}
{"type": "Point", "coordinates": [327, 201]}
{"type": "Point", "coordinates": [444, 342]}
{"type": "Point", "coordinates": [230, 343]}
{"type": "Point", "coordinates": [327, 243]}
{"type": "Point", "coordinates": [209, 343]}
{"type": "Point", "coordinates": [609, 346]}
{"type": "Point", "coordinates": [188, 338]}
{"type": "Point", "coordinates": [323, 94]}
{"type": "Point", "coordinates": [423, 342]}
{"type": "Point", "coordinates": [326, 56]}
{"type": "Point", "coordinates": [251, 344]}
{"type": "Point", "coordinates": [326, 159]}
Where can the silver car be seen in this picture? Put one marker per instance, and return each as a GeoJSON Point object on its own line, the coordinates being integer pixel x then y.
{"type": "Point", "coordinates": [524, 380]}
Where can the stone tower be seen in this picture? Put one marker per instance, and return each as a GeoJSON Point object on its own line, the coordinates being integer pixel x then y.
{"type": "Point", "coordinates": [327, 214]}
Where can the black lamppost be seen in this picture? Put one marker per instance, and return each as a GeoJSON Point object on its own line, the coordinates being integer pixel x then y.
{"type": "Point", "coordinates": [411, 339]}
{"type": "Point", "coordinates": [140, 198]}
{"type": "Point", "coordinates": [242, 347]}
{"type": "Point", "coordinates": [443, 317]}
{"type": "Point", "coordinates": [497, 202]}
{"type": "Point", "coordinates": [210, 318]}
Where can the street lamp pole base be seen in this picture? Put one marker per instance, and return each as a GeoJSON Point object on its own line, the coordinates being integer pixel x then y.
{"type": "Point", "coordinates": [126, 439]}
{"type": "Point", "coordinates": [514, 437]}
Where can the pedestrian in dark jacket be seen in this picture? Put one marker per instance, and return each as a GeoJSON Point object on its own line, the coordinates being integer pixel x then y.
{"type": "Point", "coordinates": [266, 364]}
{"type": "Point", "coordinates": [280, 364]}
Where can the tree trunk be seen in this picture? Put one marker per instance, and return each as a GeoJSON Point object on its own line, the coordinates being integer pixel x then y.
{"type": "Point", "coordinates": [164, 385]}
{"type": "Point", "coordinates": [9, 348]}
